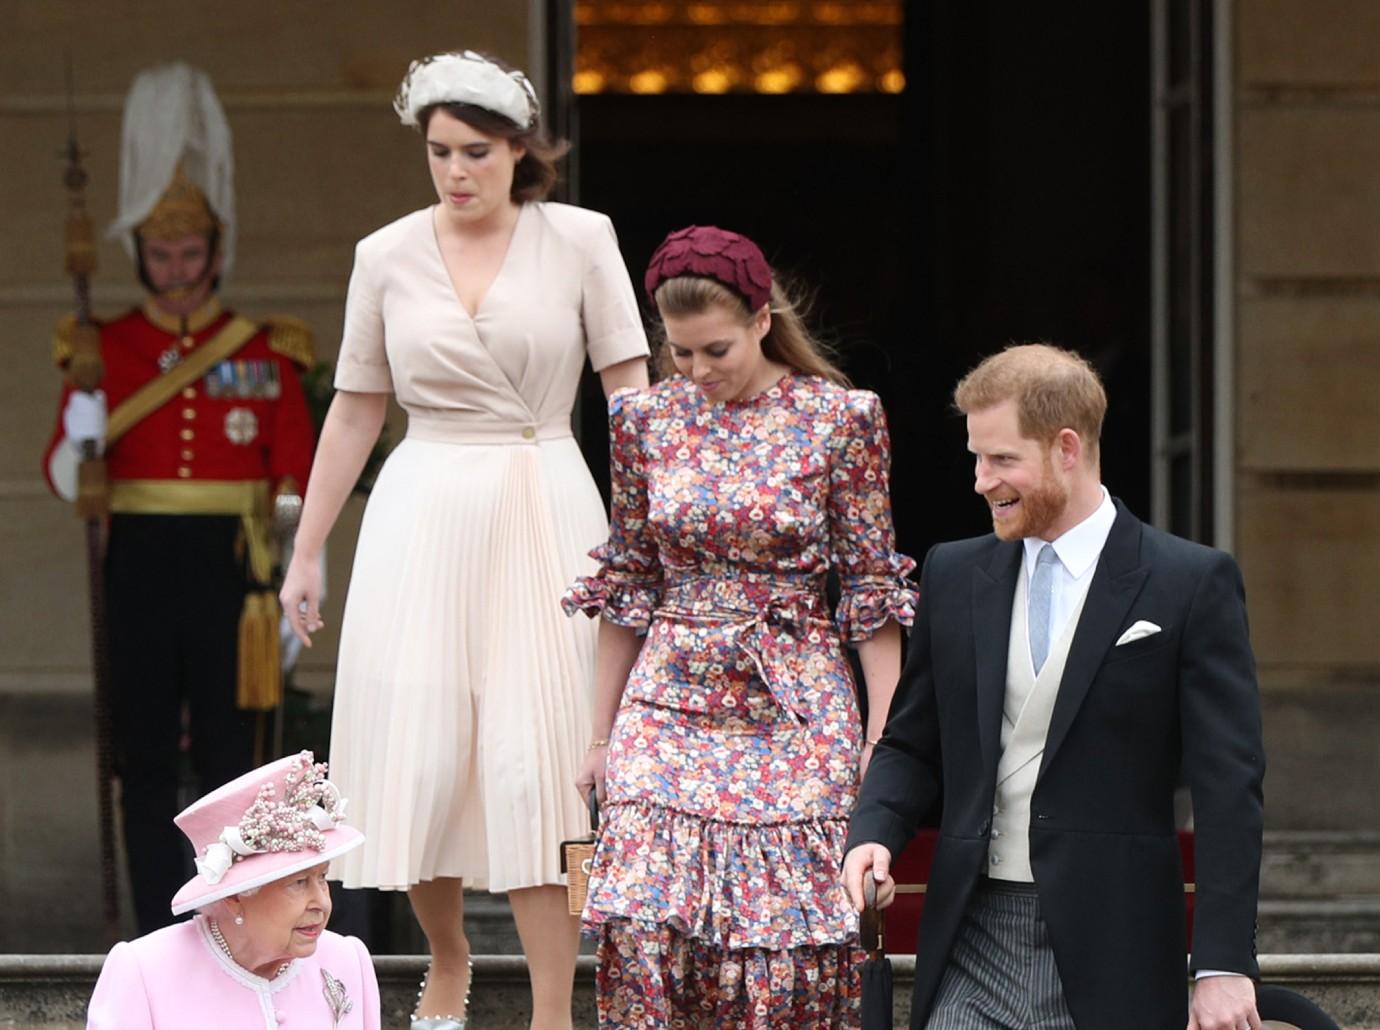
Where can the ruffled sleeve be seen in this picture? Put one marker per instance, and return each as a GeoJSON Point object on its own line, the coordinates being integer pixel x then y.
{"type": "Point", "coordinates": [873, 576]}
{"type": "Point", "coordinates": [627, 587]}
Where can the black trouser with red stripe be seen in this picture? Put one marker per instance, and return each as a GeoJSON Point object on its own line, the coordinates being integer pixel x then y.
{"type": "Point", "coordinates": [175, 590]}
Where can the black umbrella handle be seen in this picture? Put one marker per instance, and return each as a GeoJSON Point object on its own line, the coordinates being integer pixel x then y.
{"type": "Point", "coordinates": [872, 924]}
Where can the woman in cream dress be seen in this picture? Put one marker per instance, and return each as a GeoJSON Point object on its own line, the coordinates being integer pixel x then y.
{"type": "Point", "coordinates": [461, 711]}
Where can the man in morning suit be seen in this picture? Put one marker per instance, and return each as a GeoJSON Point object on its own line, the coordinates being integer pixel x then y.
{"type": "Point", "coordinates": [1063, 671]}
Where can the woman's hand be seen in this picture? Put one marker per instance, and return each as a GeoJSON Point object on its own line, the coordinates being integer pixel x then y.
{"type": "Point", "coordinates": [352, 426]}
{"type": "Point", "coordinates": [591, 776]}
{"type": "Point", "coordinates": [301, 597]}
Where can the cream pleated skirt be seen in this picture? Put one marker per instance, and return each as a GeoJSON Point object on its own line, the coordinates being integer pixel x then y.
{"type": "Point", "coordinates": [462, 695]}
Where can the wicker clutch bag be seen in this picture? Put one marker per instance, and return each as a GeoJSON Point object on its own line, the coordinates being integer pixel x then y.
{"type": "Point", "coordinates": [577, 857]}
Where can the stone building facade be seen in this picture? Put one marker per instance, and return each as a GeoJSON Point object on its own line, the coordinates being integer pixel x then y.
{"type": "Point", "coordinates": [321, 160]}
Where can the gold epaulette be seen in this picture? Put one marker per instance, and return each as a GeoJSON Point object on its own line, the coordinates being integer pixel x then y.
{"type": "Point", "coordinates": [62, 340]}
{"type": "Point", "coordinates": [292, 338]}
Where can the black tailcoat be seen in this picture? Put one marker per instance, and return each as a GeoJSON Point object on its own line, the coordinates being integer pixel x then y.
{"type": "Point", "coordinates": [1126, 721]}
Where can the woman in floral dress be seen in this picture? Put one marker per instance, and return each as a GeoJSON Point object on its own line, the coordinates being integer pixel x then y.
{"type": "Point", "coordinates": [727, 745]}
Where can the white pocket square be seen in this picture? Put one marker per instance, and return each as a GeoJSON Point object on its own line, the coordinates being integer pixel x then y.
{"type": "Point", "coordinates": [1141, 628]}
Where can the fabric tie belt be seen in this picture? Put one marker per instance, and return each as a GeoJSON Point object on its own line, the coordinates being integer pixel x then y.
{"type": "Point", "coordinates": [464, 428]}
{"type": "Point", "coordinates": [775, 613]}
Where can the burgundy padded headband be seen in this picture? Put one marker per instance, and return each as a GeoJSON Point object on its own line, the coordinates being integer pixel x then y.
{"type": "Point", "coordinates": [705, 250]}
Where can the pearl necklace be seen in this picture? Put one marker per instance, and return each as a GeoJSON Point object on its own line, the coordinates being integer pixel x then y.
{"type": "Point", "coordinates": [224, 946]}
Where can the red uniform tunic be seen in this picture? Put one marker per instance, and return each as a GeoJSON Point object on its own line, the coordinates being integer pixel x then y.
{"type": "Point", "coordinates": [209, 431]}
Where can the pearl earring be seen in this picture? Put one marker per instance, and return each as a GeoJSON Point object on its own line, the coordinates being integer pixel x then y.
{"type": "Point", "coordinates": [239, 920]}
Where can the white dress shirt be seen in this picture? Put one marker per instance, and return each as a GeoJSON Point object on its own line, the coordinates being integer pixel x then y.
{"type": "Point", "coordinates": [1078, 551]}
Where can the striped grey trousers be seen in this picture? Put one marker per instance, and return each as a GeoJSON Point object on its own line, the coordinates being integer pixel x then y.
{"type": "Point", "coordinates": [1001, 973]}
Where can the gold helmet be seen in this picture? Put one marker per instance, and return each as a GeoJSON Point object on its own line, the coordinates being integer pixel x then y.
{"type": "Point", "coordinates": [182, 210]}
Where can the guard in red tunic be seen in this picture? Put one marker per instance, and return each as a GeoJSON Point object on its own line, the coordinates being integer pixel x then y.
{"type": "Point", "coordinates": [206, 435]}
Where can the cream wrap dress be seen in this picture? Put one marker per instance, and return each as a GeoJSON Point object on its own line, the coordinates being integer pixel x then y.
{"type": "Point", "coordinates": [462, 694]}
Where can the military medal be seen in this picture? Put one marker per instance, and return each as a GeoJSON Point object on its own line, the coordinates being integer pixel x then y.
{"type": "Point", "coordinates": [220, 381]}
{"type": "Point", "coordinates": [168, 360]}
{"type": "Point", "coordinates": [242, 385]}
{"type": "Point", "coordinates": [241, 426]}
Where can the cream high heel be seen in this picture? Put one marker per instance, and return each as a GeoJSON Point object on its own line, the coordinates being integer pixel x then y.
{"type": "Point", "coordinates": [444, 1022]}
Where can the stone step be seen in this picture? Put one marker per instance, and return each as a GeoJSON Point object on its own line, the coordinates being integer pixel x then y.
{"type": "Point", "coordinates": [1320, 892]}
{"type": "Point", "coordinates": [49, 992]}
{"type": "Point", "coordinates": [1305, 925]}
{"type": "Point", "coordinates": [1342, 926]}
{"type": "Point", "coordinates": [1320, 865]}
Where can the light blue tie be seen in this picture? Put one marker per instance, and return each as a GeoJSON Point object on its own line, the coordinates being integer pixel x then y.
{"type": "Point", "coordinates": [1038, 606]}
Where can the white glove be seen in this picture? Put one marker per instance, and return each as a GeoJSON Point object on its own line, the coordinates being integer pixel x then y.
{"type": "Point", "coordinates": [84, 418]}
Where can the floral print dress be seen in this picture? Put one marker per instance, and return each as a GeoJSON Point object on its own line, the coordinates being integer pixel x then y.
{"type": "Point", "coordinates": [715, 892]}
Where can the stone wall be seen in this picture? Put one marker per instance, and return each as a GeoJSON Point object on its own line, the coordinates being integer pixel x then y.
{"type": "Point", "coordinates": [1307, 421]}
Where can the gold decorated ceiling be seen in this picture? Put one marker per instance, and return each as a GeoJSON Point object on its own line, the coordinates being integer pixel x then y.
{"type": "Point", "coordinates": [738, 46]}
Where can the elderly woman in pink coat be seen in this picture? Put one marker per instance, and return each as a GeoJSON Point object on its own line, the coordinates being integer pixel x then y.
{"type": "Point", "coordinates": [257, 953]}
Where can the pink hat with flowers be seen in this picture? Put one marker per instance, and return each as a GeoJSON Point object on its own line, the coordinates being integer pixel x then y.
{"type": "Point", "coordinates": [261, 827]}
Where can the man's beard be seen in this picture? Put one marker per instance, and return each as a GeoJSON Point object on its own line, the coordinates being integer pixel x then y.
{"type": "Point", "coordinates": [1041, 506]}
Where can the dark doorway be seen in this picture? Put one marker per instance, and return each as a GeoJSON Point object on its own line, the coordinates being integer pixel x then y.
{"type": "Point", "coordinates": [1004, 196]}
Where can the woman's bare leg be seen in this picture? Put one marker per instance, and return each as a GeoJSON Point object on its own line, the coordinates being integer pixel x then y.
{"type": "Point", "coordinates": [551, 940]}
{"type": "Point", "coordinates": [440, 909]}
